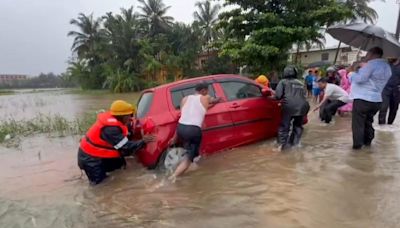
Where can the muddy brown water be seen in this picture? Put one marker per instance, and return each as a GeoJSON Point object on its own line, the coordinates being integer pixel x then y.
{"type": "Point", "coordinates": [322, 184]}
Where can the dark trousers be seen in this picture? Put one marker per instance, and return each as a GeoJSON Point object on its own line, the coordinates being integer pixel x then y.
{"type": "Point", "coordinates": [329, 109]}
{"type": "Point", "coordinates": [362, 119]}
{"type": "Point", "coordinates": [96, 169]}
{"type": "Point", "coordinates": [391, 102]}
{"type": "Point", "coordinates": [191, 137]}
{"type": "Point", "coordinates": [287, 138]}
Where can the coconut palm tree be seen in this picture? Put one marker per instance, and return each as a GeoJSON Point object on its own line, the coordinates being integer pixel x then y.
{"type": "Point", "coordinates": [154, 14]}
{"type": "Point", "coordinates": [88, 36]}
{"type": "Point", "coordinates": [361, 11]}
{"type": "Point", "coordinates": [207, 18]}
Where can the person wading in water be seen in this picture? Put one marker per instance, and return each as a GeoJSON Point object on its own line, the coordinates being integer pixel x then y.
{"type": "Point", "coordinates": [106, 143]}
{"type": "Point", "coordinates": [295, 108]}
{"type": "Point", "coordinates": [193, 111]}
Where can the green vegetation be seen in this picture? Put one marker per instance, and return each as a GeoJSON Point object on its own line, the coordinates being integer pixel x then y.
{"type": "Point", "coordinates": [52, 125]}
{"type": "Point", "coordinates": [49, 80]}
{"type": "Point", "coordinates": [6, 92]}
{"type": "Point", "coordinates": [261, 33]}
{"type": "Point", "coordinates": [130, 51]}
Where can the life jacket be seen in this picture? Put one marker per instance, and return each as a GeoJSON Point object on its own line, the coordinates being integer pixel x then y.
{"type": "Point", "coordinates": [92, 143]}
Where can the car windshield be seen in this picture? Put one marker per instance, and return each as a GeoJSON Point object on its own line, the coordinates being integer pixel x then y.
{"type": "Point", "coordinates": [144, 104]}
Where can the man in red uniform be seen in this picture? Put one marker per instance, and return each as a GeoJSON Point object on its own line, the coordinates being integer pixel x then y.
{"type": "Point", "coordinates": [106, 143]}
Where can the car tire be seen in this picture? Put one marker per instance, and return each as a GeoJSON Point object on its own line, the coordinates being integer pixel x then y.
{"type": "Point", "coordinates": [170, 159]}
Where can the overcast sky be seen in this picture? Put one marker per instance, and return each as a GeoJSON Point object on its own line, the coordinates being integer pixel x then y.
{"type": "Point", "coordinates": [33, 33]}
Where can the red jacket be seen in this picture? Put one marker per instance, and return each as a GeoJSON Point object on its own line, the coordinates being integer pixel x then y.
{"type": "Point", "coordinates": [92, 143]}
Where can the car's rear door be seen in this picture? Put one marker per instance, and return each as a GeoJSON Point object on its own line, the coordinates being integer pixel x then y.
{"type": "Point", "coordinates": [252, 113]}
{"type": "Point", "coordinates": [218, 131]}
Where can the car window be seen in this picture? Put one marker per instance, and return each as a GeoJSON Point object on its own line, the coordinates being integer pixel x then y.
{"type": "Point", "coordinates": [240, 90]}
{"type": "Point", "coordinates": [179, 94]}
{"type": "Point", "coordinates": [144, 104]}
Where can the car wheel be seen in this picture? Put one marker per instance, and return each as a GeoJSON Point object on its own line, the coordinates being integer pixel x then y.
{"type": "Point", "coordinates": [171, 159]}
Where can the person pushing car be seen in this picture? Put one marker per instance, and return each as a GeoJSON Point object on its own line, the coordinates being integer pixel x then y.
{"type": "Point", "coordinates": [106, 144]}
{"type": "Point", "coordinates": [294, 108]}
{"type": "Point", "coordinates": [193, 111]}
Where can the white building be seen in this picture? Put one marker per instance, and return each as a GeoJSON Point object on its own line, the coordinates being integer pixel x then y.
{"type": "Point", "coordinates": [346, 56]}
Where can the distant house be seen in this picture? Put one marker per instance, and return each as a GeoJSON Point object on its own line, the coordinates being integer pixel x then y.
{"type": "Point", "coordinates": [8, 79]}
{"type": "Point", "coordinates": [346, 56]}
{"type": "Point", "coordinates": [202, 58]}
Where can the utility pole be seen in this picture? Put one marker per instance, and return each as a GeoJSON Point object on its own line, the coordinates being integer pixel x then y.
{"type": "Point", "coordinates": [398, 22]}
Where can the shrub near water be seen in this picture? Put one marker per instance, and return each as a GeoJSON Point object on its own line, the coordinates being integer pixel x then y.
{"type": "Point", "coordinates": [52, 125]}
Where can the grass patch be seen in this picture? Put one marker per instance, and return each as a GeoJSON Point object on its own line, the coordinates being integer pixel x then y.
{"type": "Point", "coordinates": [52, 125]}
{"type": "Point", "coordinates": [6, 92]}
{"type": "Point", "coordinates": [87, 92]}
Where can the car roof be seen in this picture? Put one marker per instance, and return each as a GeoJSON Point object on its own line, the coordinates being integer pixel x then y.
{"type": "Point", "coordinates": [203, 78]}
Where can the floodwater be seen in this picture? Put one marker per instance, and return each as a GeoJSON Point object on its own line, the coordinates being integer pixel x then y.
{"type": "Point", "coordinates": [322, 184]}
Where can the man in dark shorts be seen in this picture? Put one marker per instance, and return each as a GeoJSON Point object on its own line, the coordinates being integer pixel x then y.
{"type": "Point", "coordinates": [193, 111]}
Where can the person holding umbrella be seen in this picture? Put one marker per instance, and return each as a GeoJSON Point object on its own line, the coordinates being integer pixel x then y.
{"type": "Point", "coordinates": [367, 86]}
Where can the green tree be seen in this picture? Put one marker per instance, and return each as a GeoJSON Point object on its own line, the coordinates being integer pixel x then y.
{"type": "Point", "coordinates": [88, 44]}
{"type": "Point", "coordinates": [88, 38]}
{"type": "Point", "coordinates": [154, 14]}
{"type": "Point", "coordinates": [261, 32]}
{"type": "Point", "coordinates": [361, 11]}
{"type": "Point", "coordinates": [207, 19]}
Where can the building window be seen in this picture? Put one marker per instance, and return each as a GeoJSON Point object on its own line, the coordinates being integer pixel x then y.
{"type": "Point", "coordinates": [324, 56]}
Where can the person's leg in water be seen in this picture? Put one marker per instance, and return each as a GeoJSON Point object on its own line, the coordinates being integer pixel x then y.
{"type": "Point", "coordinates": [283, 131]}
{"type": "Point", "coordinates": [330, 110]}
{"type": "Point", "coordinates": [369, 130]}
{"type": "Point", "coordinates": [93, 168]}
{"type": "Point", "coordinates": [384, 108]}
{"type": "Point", "coordinates": [359, 117]}
{"type": "Point", "coordinates": [191, 136]}
{"type": "Point", "coordinates": [297, 131]}
{"type": "Point", "coordinates": [393, 107]}
{"type": "Point", "coordinates": [112, 164]}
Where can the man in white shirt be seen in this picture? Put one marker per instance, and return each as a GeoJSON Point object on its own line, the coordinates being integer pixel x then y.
{"type": "Point", "coordinates": [334, 98]}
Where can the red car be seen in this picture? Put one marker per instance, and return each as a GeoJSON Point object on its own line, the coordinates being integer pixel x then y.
{"type": "Point", "coordinates": [244, 115]}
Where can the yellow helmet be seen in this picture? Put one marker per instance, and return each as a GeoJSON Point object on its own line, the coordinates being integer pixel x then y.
{"type": "Point", "coordinates": [122, 108]}
{"type": "Point", "coordinates": [262, 79]}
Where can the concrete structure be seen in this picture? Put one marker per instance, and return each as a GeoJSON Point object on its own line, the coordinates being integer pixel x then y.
{"type": "Point", "coordinates": [347, 55]}
{"type": "Point", "coordinates": [203, 57]}
{"type": "Point", "coordinates": [8, 79]}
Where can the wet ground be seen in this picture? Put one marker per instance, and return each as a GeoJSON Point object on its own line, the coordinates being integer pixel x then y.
{"type": "Point", "coordinates": [322, 184]}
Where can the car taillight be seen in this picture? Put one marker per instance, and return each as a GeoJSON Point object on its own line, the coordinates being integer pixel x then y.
{"type": "Point", "coordinates": [148, 126]}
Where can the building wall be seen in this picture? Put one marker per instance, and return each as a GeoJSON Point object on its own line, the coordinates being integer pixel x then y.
{"type": "Point", "coordinates": [345, 56]}
{"type": "Point", "coordinates": [6, 79]}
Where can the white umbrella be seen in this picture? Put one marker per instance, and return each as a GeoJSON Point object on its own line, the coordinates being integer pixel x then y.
{"type": "Point", "coordinates": [365, 36]}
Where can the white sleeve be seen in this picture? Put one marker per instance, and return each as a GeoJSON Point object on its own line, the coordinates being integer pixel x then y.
{"type": "Point", "coordinates": [328, 90]}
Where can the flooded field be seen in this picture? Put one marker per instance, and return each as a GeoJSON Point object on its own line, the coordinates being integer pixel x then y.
{"type": "Point", "coordinates": [322, 184]}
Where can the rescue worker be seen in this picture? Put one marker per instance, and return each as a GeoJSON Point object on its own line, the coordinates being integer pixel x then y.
{"type": "Point", "coordinates": [295, 108]}
{"type": "Point", "coordinates": [106, 143]}
{"type": "Point", "coordinates": [263, 81]}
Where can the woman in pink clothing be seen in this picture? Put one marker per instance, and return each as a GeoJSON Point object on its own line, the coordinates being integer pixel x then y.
{"type": "Point", "coordinates": [346, 85]}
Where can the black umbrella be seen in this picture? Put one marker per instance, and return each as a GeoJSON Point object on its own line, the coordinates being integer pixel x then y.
{"type": "Point", "coordinates": [365, 36]}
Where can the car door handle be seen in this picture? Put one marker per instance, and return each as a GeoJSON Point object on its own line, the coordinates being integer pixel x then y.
{"type": "Point", "coordinates": [234, 105]}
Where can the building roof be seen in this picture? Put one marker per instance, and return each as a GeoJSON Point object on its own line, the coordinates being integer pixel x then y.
{"type": "Point", "coordinates": [317, 49]}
